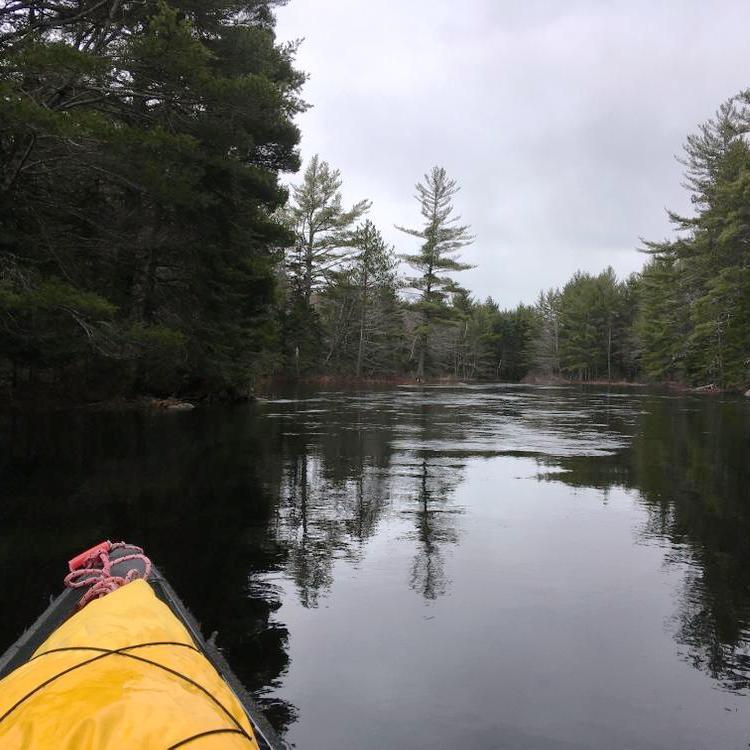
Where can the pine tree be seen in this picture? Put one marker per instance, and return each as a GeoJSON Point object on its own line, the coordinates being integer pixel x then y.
{"type": "Point", "coordinates": [720, 339]}
{"type": "Point", "coordinates": [628, 350]}
{"type": "Point", "coordinates": [362, 313]}
{"type": "Point", "coordinates": [546, 346]}
{"type": "Point", "coordinates": [591, 337]}
{"type": "Point", "coordinates": [609, 298]}
{"type": "Point", "coordinates": [321, 231]}
{"type": "Point", "coordinates": [140, 152]}
{"type": "Point", "coordinates": [694, 320]}
{"type": "Point", "coordinates": [322, 227]}
{"type": "Point", "coordinates": [517, 331]}
{"type": "Point", "coordinates": [374, 276]}
{"type": "Point", "coordinates": [442, 238]}
{"type": "Point", "coordinates": [579, 334]}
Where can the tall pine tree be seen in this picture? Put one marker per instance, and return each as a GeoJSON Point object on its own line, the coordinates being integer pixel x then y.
{"type": "Point", "coordinates": [442, 236]}
{"type": "Point", "coordinates": [322, 227]}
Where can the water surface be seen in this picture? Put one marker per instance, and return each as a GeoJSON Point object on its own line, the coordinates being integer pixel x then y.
{"type": "Point", "coordinates": [471, 566]}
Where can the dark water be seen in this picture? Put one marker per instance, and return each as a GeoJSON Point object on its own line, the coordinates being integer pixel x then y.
{"type": "Point", "coordinates": [474, 567]}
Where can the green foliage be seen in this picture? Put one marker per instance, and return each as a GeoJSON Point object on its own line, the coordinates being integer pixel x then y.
{"type": "Point", "coordinates": [584, 331]}
{"type": "Point", "coordinates": [322, 228]}
{"type": "Point", "coordinates": [685, 317]}
{"type": "Point", "coordinates": [516, 330]}
{"type": "Point", "coordinates": [362, 314]}
{"type": "Point", "coordinates": [474, 337]}
{"type": "Point", "coordinates": [303, 338]}
{"type": "Point", "coordinates": [489, 343]}
{"type": "Point", "coordinates": [50, 320]}
{"type": "Point", "coordinates": [157, 338]}
{"type": "Point", "coordinates": [140, 153]}
{"type": "Point", "coordinates": [694, 321]}
{"type": "Point", "coordinates": [442, 238]}
{"type": "Point", "coordinates": [545, 349]}
{"type": "Point", "coordinates": [589, 311]}
{"type": "Point", "coordinates": [662, 319]}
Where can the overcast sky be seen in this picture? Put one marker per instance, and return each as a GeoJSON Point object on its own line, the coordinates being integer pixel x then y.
{"type": "Point", "coordinates": [560, 119]}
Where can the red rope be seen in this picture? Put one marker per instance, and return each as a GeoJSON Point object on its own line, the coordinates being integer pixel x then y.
{"type": "Point", "coordinates": [96, 572]}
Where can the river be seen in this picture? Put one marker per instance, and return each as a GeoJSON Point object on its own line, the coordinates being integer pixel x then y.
{"type": "Point", "coordinates": [468, 566]}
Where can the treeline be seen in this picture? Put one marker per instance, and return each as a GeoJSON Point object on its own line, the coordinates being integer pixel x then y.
{"type": "Point", "coordinates": [584, 331]}
{"type": "Point", "coordinates": [149, 246]}
{"type": "Point", "coordinates": [684, 318]}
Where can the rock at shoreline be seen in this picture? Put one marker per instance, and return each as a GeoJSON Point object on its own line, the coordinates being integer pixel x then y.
{"type": "Point", "coordinates": [171, 404]}
{"type": "Point", "coordinates": [710, 388]}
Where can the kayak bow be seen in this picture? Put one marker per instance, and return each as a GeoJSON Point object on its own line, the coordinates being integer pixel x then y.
{"type": "Point", "coordinates": [123, 666]}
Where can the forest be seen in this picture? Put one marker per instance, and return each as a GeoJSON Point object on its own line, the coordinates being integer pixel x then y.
{"type": "Point", "coordinates": [154, 239]}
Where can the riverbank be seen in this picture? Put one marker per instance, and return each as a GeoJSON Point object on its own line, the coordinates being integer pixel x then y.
{"type": "Point", "coordinates": [670, 385]}
{"type": "Point", "coordinates": [270, 387]}
{"type": "Point", "coordinates": [116, 404]}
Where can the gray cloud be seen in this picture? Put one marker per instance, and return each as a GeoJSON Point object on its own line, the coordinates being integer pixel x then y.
{"type": "Point", "coordinates": [560, 120]}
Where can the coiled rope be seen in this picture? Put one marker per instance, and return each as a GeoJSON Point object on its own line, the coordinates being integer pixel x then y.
{"type": "Point", "coordinates": [96, 572]}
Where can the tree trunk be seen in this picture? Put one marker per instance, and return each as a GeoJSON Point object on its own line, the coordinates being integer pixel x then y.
{"type": "Point", "coordinates": [362, 314]}
{"type": "Point", "coordinates": [149, 292]}
{"type": "Point", "coordinates": [424, 336]}
{"type": "Point", "coordinates": [556, 362]}
{"type": "Point", "coordinates": [308, 283]}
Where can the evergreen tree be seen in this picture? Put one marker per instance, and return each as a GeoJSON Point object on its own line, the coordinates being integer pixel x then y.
{"type": "Point", "coordinates": [471, 336]}
{"type": "Point", "coordinates": [696, 289]}
{"type": "Point", "coordinates": [546, 347]}
{"type": "Point", "coordinates": [322, 227]}
{"type": "Point", "coordinates": [322, 237]}
{"type": "Point", "coordinates": [628, 351]}
{"type": "Point", "coordinates": [361, 309]}
{"type": "Point", "coordinates": [580, 334]}
{"type": "Point", "coordinates": [662, 319]}
{"type": "Point", "coordinates": [442, 238]}
{"type": "Point", "coordinates": [374, 276]}
{"type": "Point", "coordinates": [585, 330]}
{"type": "Point", "coordinates": [718, 257]}
{"type": "Point", "coordinates": [610, 300]}
{"type": "Point", "coordinates": [140, 152]}
{"type": "Point", "coordinates": [516, 332]}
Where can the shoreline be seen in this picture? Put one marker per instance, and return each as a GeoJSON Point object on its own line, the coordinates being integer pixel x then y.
{"type": "Point", "coordinates": [269, 386]}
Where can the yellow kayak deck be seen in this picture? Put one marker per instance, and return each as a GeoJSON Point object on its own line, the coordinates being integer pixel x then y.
{"type": "Point", "coordinates": [123, 672]}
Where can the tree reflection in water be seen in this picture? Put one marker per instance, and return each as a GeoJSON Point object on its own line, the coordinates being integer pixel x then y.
{"type": "Point", "coordinates": [688, 462]}
{"type": "Point", "coordinates": [433, 528]}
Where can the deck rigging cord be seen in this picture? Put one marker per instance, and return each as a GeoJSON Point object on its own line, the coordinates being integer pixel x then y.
{"type": "Point", "coordinates": [96, 570]}
{"type": "Point", "coordinates": [102, 653]}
